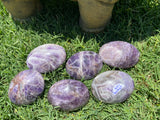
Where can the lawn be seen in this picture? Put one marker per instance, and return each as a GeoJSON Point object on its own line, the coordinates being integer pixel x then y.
{"type": "Point", "coordinates": [134, 21]}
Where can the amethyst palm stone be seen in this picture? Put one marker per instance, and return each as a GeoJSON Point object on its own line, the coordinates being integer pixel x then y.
{"type": "Point", "coordinates": [119, 54]}
{"type": "Point", "coordinates": [68, 95]}
{"type": "Point", "coordinates": [85, 64]}
{"type": "Point", "coordinates": [46, 58]}
{"type": "Point", "coordinates": [112, 86]}
{"type": "Point", "coordinates": [26, 87]}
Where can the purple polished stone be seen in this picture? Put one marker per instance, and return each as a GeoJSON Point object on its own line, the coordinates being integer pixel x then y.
{"type": "Point", "coordinates": [26, 87]}
{"type": "Point", "coordinates": [112, 86]}
{"type": "Point", "coordinates": [69, 95]}
{"type": "Point", "coordinates": [85, 64]}
{"type": "Point", "coordinates": [119, 54]}
{"type": "Point", "coordinates": [45, 58]}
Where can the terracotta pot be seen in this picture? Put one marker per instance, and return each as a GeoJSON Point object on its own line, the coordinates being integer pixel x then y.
{"type": "Point", "coordinates": [22, 9]}
{"type": "Point", "coordinates": [95, 14]}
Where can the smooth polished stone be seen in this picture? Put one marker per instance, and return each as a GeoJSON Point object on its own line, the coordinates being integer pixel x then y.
{"type": "Point", "coordinates": [84, 65]}
{"type": "Point", "coordinates": [119, 54]}
{"type": "Point", "coordinates": [26, 87]}
{"type": "Point", "coordinates": [68, 95]}
{"type": "Point", "coordinates": [46, 58]}
{"type": "Point", "coordinates": [112, 86]}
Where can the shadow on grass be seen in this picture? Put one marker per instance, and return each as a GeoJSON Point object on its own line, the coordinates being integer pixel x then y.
{"type": "Point", "coordinates": [131, 21]}
{"type": "Point", "coordinates": [57, 17]}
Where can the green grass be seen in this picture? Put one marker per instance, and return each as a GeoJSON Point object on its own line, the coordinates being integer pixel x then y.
{"type": "Point", "coordinates": [134, 21]}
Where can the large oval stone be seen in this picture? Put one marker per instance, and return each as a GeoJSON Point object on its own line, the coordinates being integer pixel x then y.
{"type": "Point", "coordinates": [46, 58]}
{"type": "Point", "coordinates": [68, 95]}
{"type": "Point", "coordinates": [26, 87]}
{"type": "Point", "coordinates": [119, 54]}
{"type": "Point", "coordinates": [112, 86]}
{"type": "Point", "coordinates": [84, 65]}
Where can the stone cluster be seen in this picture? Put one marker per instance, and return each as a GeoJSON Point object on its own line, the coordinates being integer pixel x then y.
{"type": "Point", "coordinates": [70, 94]}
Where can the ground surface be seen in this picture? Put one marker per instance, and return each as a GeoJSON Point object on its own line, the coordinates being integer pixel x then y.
{"type": "Point", "coordinates": [134, 21]}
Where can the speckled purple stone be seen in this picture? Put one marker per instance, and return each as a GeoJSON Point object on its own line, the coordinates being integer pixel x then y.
{"type": "Point", "coordinates": [46, 58]}
{"type": "Point", "coordinates": [112, 86]}
{"type": "Point", "coordinates": [68, 94]}
{"type": "Point", "coordinates": [85, 64]}
{"type": "Point", "coordinates": [26, 87]}
{"type": "Point", "coordinates": [119, 54]}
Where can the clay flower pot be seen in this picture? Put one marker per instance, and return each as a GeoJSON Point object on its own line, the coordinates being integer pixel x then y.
{"type": "Point", "coordinates": [95, 14]}
{"type": "Point", "coordinates": [22, 9]}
